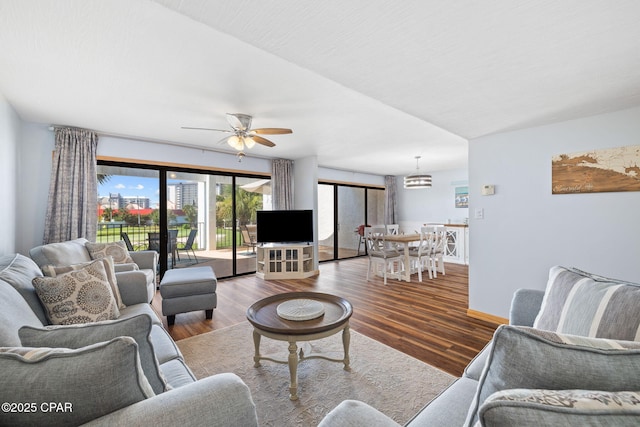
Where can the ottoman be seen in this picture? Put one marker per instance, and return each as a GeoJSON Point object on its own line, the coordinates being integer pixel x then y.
{"type": "Point", "coordinates": [188, 289]}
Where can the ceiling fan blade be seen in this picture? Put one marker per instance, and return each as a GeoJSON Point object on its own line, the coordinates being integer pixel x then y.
{"type": "Point", "coordinates": [239, 121]}
{"type": "Point", "coordinates": [263, 141]}
{"type": "Point", "coordinates": [271, 131]}
{"type": "Point", "coordinates": [224, 140]}
{"type": "Point", "coordinates": [217, 130]}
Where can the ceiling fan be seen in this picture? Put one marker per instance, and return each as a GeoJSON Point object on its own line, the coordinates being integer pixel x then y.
{"type": "Point", "coordinates": [243, 136]}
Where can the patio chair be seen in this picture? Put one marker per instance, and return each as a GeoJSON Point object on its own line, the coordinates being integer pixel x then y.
{"type": "Point", "coordinates": [249, 239]}
{"type": "Point", "coordinates": [125, 236]}
{"type": "Point", "coordinates": [188, 246]}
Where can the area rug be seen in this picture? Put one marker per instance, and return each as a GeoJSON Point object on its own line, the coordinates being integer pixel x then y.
{"type": "Point", "coordinates": [392, 382]}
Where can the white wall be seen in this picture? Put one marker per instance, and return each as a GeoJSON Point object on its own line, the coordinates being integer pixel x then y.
{"type": "Point", "coordinates": [305, 193]}
{"type": "Point", "coordinates": [435, 204]}
{"type": "Point", "coordinates": [9, 140]}
{"type": "Point", "coordinates": [166, 153]}
{"type": "Point", "coordinates": [526, 229]}
{"type": "Point", "coordinates": [34, 173]}
{"type": "Point", "coordinates": [336, 175]}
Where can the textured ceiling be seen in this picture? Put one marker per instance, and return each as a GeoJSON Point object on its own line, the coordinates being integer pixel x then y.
{"type": "Point", "coordinates": [365, 85]}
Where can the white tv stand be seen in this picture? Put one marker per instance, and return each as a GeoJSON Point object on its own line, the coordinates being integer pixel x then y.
{"type": "Point", "coordinates": [285, 261]}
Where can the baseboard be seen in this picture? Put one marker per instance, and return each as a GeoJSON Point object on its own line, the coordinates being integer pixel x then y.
{"type": "Point", "coordinates": [487, 317]}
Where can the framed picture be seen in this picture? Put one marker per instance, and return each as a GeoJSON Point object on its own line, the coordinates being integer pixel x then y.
{"type": "Point", "coordinates": [462, 197]}
{"type": "Point", "coordinates": [611, 169]}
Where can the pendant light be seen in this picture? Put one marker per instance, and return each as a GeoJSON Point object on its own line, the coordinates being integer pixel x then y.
{"type": "Point", "coordinates": [417, 180]}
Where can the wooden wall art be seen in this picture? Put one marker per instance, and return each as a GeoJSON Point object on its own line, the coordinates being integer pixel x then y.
{"type": "Point", "coordinates": [597, 171]}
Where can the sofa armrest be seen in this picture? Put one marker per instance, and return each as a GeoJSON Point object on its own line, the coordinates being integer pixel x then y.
{"type": "Point", "coordinates": [145, 259]}
{"type": "Point", "coordinates": [218, 401]}
{"type": "Point", "coordinates": [133, 287]}
{"type": "Point", "coordinates": [525, 306]}
{"type": "Point", "coordinates": [352, 413]}
{"type": "Point", "coordinates": [535, 407]}
{"type": "Point", "coordinates": [130, 266]}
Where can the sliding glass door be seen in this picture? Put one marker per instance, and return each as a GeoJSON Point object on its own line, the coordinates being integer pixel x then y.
{"type": "Point", "coordinates": [341, 210]}
{"type": "Point", "coordinates": [128, 205]}
{"type": "Point", "coordinates": [191, 217]}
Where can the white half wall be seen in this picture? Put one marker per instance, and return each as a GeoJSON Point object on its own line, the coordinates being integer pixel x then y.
{"type": "Point", "coordinates": [526, 229]}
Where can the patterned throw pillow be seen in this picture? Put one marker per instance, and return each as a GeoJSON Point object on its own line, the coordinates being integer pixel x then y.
{"type": "Point", "coordinates": [523, 357]}
{"type": "Point", "coordinates": [53, 271]}
{"type": "Point", "coordinates": [85, 383]}
{"type": "Point", "coordinates": [584, 304]}
{"type": "Point", "coordinates": [117, 250]}
{"type": "Point", "coordinates": [80, 296]}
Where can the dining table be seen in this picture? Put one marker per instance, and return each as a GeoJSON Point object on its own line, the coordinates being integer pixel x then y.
{"type": "Point", "coordinates": [404, 240]}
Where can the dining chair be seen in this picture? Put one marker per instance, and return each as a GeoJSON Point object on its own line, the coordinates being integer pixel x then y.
{"type": "Point", "coordinates": [421, 256]}
{"type": "Point", "coordinates": [437, 254]}
{"type": "Point", "coordinates": [381, 255]}
{"type": "Point", "coordinates": [393, 229]}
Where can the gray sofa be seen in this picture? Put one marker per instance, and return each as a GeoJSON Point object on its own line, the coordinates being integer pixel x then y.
{"type": "Point", "coordinates": [126, 371]}
{"type": "Point", "coordinates": [550, 366]}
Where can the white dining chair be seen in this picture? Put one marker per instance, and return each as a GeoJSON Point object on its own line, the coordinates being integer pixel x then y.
{"type": "Point", "coordinates": [421, 256]}
{"type": "Point", "coordinates": [382, 256]}
{"type": "Point", "coordinates": [437, 254]}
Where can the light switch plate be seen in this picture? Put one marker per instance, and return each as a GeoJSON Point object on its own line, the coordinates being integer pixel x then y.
{"type": "Point", "coordinates": [479, 213]}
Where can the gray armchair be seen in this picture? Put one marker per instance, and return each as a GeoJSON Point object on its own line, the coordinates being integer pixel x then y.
{"type": "Point", "coordinates": [142, 270]}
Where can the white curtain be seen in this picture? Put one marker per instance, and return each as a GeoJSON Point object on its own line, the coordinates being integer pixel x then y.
{"type": "Point", "coordinates": [282, 184]}
{"type": "Point", "coordinates": [390, 199]}
{"type": "Point", "coordinates": [72, 210]}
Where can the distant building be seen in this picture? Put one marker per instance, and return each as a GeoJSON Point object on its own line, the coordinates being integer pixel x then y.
{"type": "Point", "coordinates": [115, 201]}
{"type": "Point", "coordinates": [140, 202]}
{"type": "Point", "coordinates": [182, 194]}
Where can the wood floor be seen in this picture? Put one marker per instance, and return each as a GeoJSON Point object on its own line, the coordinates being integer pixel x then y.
{"type": "Point", "coordinates": [425, 320]}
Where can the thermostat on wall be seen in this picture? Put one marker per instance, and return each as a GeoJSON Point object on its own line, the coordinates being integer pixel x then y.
{"type": "Point", "coordinates": [488, 190]}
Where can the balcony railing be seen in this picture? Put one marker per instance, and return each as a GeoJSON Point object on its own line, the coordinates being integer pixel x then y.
{"type": "Point", "coordinates": [139, 234]}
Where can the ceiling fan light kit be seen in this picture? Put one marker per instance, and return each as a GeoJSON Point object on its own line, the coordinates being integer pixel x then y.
{"type": "Point", "coordinates": [243, 136]}
{"type": "Point", "coordinates": [417, 180]}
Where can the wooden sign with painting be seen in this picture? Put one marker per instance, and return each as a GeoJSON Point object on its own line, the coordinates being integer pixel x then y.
{"type": "Point", "coordinates": [597, 171]}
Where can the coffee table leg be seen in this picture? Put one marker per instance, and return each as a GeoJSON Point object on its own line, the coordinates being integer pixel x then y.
{"type": "Point", "coordinates": [293, 370]}
{"type": "Point", "coordinates": [256, 344]}
{"type": "Point", "coordinates": [346, 339]}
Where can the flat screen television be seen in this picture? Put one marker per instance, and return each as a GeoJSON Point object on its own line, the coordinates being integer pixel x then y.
{"type": "Point", "coordinates": [294, 226]}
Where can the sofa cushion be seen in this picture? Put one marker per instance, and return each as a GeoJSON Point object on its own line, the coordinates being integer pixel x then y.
{"type": "Point", "coordinates": [85, 383]}
{"type": "Point", "coordinates": [580, 303]}
{"type": "Point", "coordinates": [18, 271]}
{"type": "Point", "coordinates": [523, 357]}
{"type": "Point", "coordinates": [62, 253]}
{"type": "Point", "coordinates": [75, 336]}
{"type": "Point", "coordinates": [535, 407]}
{"type": "Point", "coordinates": [53, 271]}
{"type": "Point", "coordinates": [80, 296]}
{"type": "Point", "coordinates": [117, 250]}
{"type": "Point", "coordinates": [14, 313]}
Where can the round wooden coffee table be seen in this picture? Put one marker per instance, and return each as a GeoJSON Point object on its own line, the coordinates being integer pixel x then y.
{"type": "Point", "coordinates": [263, 315]}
